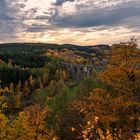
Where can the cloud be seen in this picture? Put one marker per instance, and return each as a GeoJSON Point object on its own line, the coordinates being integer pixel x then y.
{"type": "Point", "coordinates": [38, 28]}
{"type": "Point", "coordinates": [92, 16]}
{"type": "Point", "coordinates": [60, 2]}
{"type": "Point", "coordinates": [69, 20]}
{"type": "Point", "coordinates": [12, 17]}
{"type": "Point", "coordinates": [8, 19]}
{"type": "Point", "coordinates": [5, 11]}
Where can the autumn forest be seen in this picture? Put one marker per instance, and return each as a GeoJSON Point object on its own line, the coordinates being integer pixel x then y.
{"type": "Point", "coordinates": [69, 92]}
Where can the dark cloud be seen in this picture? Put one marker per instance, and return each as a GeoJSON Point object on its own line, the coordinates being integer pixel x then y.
{"type": "Point", "coordinates": [24, 0]}
{"type": "Point", "coordinates": [7, 17]}
{"type": "Point", "coordinates": [10, 23]}
{"type": "Point", "coordinates": [100, 17]}
{"type": "Point", "coordinates": [22, 5]}
{"type": "Point", "coordinates": [9, 29]}
{"type": "Point", "coordinates": [60, 2]}
{"type": "Point", "coordinates": [9, 8]}
{"type": "Point", "coordinates": [51, 14]}
{"type": "Point", "coordinates": [12, 18]}
{"type": "Point", "coordinates": [29, 14]}
{"type": "Point", "coordinates": [5, 11]}
{"type": "Point", "coordinates": [37, 28]}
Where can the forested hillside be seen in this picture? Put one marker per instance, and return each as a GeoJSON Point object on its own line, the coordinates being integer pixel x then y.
{"type": "Point", "coordinates": [40, 101]}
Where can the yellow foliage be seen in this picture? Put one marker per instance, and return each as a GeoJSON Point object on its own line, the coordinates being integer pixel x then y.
{"type": "Point", "coordinates": [123, 72]}
{"type": "Point", "coordinates": [3, 127]}
{"type": "Point", "coordinates": [29, 124]}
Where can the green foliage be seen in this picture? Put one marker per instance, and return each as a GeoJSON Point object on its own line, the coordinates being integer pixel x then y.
{"type": "Point", "coordinates": [88, 84]}
{"type": "Point", "coordinates": [53, 66]}
{"type": "Point", "coordinates": [41, 96]}
{"type": "Point", "coordinates": [60, 101]}
{"type": "Point", "coordinates": [10, 74]}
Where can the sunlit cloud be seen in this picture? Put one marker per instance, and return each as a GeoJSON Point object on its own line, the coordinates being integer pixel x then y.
{"type": "Point", "coordinates": [84, 22]}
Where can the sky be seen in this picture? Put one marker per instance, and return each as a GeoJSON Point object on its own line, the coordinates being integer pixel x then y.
{"type": "Point", "coordinates": [81, 22]}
